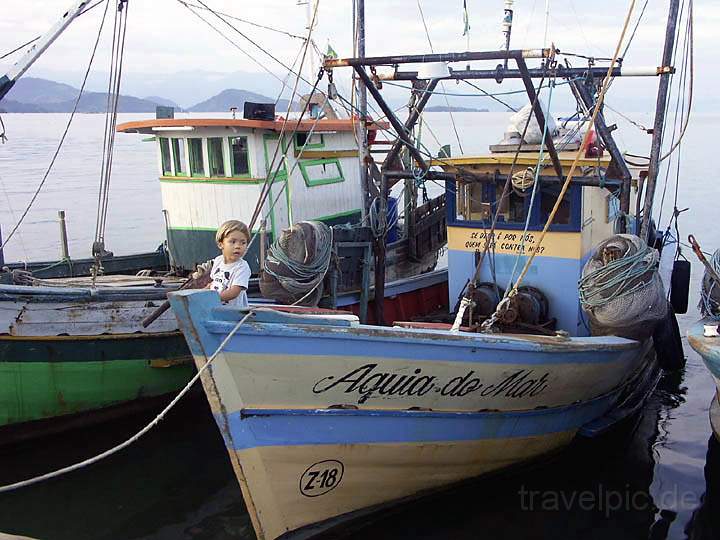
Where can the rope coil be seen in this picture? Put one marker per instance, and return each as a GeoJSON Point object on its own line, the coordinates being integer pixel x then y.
{"type": "Point", "coordinates": [618, 278]}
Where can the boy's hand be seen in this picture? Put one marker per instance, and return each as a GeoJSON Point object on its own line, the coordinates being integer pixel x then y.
{"type": "Point", "coordinates": [202, 269]}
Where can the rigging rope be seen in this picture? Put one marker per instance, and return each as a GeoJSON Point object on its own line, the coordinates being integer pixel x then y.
{"type": "Point", "coordinates": [492, 96]}
{"type": "Point", "coordinates": [65, 132]}
{"type": "Point", "coordinates": [143, 431]}
{"type": "Point", "coordinates": [246, 21]}
{"type": "Point", "coordinates": [690, 55]}
{"type": "Point", "coordinates": [568, 179]}
{"type": "Point", "coordinates": [113, 97]}
{"type": "Point", "coordinates": [33, 40]}
{"type": "Point", "coordinates": [536, 182]}
{"type": "Point", "coordinates": [442, 85]}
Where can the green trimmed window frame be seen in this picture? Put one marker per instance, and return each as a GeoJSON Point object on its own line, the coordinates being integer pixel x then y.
{"type": "Point", "coordinates": [312, 182]}
{"type": "Point", "coordinates": [299, 141]}
{"type": "Point", "coordinates": [179, 151]}
{"type": "Point", "coordinates": [165, 156]}
{"type": "Point", "coordinates": [216, 157]}
{"type": "Point", "coordinates": [233, 169]}
{"type": "Point", "coordinates": [282, 173]}
{"type": "Point", "coordinates": [197, 161]}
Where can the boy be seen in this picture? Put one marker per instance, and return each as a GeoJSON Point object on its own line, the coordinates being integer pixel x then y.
{"type": "Point", "coordinates": [230, 273]}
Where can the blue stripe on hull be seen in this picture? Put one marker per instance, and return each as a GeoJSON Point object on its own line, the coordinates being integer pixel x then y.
{"type": "Point", "coordinates": [286, 340]}
{"type": "Point", "coordinates": [269, 427]}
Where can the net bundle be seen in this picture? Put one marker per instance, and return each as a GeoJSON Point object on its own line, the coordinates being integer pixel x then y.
{"type": "Point", "coordinates": [296, 264]}
{"type": "Point", "coordinates": [621, 290]}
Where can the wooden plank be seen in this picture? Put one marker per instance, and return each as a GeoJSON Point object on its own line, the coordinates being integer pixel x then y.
{"type": "Point", "coordinates": [80, 319]}
{"type": "Point", "coordinates": [115, 281]}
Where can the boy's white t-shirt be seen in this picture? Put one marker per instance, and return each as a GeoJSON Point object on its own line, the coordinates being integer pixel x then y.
{"type": "Point", "coordinates": [225, 276]}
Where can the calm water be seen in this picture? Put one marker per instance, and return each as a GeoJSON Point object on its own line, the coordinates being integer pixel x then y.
{"type": "Point", "coordinates": [658, 478]}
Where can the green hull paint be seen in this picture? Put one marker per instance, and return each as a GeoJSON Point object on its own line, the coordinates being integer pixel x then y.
{"type": "Point", "coordinates": [47, 378]}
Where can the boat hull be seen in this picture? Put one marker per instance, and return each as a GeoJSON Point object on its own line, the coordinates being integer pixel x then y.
{"type": "Point", "coordinates": [56, 376]}
{"type": "Point", "coordinates": [709, 350]}
{"type": "Point", "coordinates": [323, 417]}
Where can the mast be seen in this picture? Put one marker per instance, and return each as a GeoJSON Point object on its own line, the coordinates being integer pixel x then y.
{"type": "Point", "coordinates": [364, 152]}
{"type": "Point", "coordinates": [8, 80]}
{"type": "Point", "coordinates": [663, 88]}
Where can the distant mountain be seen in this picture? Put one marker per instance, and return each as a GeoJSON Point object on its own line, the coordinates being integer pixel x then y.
{"type": "Point", "coordinates": [40, 95]}
{"type": "Point", "coordinates": [31, 90]}
{"type": "Point", "coordinates": [164, 102]}
{"type": "Point", "coordinates": [237, 98]}
{"type": "Point", "coordinates": [31, 94]}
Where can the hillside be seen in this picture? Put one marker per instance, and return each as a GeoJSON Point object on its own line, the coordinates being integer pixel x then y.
{"type": "Point", "coordinates": [34, 95]}
{"type": "Point", "coordinates": [40, 95]}
{"type": "Point", "coordinates": [236, 98]}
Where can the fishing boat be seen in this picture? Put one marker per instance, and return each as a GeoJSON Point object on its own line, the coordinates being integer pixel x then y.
{"type": "Point", "coordinates": [326, 418]}
{"type": "Point", "coordinates": [74, 350]}
{"type": "Point", "coordinates": [703, 336]}
{"type": "Point", "coordinates": [559, 324]}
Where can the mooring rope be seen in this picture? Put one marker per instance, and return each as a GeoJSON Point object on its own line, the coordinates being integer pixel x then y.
{"type": "Point", "coordinates": [134, 438]}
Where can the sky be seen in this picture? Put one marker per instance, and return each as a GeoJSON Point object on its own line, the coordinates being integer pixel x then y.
{"type": "Point", "coordinates": [165, 37]}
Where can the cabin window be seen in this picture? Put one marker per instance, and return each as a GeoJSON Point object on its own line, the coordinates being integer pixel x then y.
{"type": "Point", "coordinates": [476, 201]}
{"type": "Point", "coordinates": [318, 172]}
{"type": "Point", "coordinates": [309, 140]}
{"type": "Point", "coordinates": [239, 158]}
{"type": "Point", "coordinates": [178, 148]}
{"type": "Point", "coordinates": [197, 163]}
{"type": "Point", "coordinates": [548, 196]}
{"type": "Point", "coordinates": [165, 156]}
{"type": "Point", "coordinates": [215, 156]}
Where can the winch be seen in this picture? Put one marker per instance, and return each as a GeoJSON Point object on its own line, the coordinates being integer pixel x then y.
{"type": "Point", "coordinates": [528, 310]}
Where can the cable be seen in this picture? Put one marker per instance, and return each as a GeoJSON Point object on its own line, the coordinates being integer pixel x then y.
{"type": "Point", "coordinates": [488, 94]}
{"type": "Point", "coordinates": [442, 85]}
{"type": "Point", "coordinates": [65, 132]}
{"type": "Point", "coordinates": [246, 21]}
{"type": "Point", "coordinates": [570, 175]}
{"type": "Point", "coordinates": [143, 431]}
{"type": "Point", "coordinates": [692, 77]}
{"type": "Point", "coordinates": [33, 40]}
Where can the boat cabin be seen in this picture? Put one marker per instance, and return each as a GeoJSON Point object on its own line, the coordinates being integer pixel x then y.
{"type": "Point", "coordinates": [587, 215]}
{"type": "Point", "coordinates": [214, 169]}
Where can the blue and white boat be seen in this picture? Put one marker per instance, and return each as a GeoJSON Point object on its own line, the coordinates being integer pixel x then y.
{"type": "Point", "coordinates": [703, 336]}
{"type": "Point", "coordinates": [326, 419]}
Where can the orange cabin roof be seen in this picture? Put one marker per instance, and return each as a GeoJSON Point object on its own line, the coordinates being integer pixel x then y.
{"type": "Point", "coordinates": [146, 126]}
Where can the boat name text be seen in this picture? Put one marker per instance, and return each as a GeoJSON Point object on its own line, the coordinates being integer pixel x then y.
{"type": "Point", "coordinates": [367, 382]}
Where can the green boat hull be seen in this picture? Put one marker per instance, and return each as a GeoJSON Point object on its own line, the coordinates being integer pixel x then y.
{"type": "Point", "coordinates": [45, 378]}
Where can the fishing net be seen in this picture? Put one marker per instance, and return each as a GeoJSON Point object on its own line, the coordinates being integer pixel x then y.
{"type": "Point", "coordinates": [296, 264]}
{"type": "Point", "coordinates": [621, 290]}
{"type": "Point", "coordinates": [710, 292]}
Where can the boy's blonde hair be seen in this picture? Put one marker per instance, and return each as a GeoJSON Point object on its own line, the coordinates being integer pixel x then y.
{"type": "Point", "coordinates": [230, 226]}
